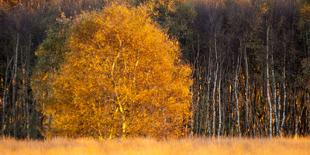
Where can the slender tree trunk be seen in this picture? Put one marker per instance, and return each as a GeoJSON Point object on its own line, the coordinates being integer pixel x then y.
{"type": "Point", "coordinates": [274, 94]}
{"type": "Point", "coordinates": [253, 109]}
{"type": "Point", "coordinates": [296, 115]}
{"type": "Point", "coordinates": [214, 90]}
{"type": "Point", "coordinates": [200, 89]}
{"type": "Point", "coordinates": [208, 94]}
{"type": "Point", "coordinates": [284, 97]}
{"type": "Point", "coordinates": [231, 111]}
{"type": "Point", "coordinates": [268, 84]}
{"type": "Point", "coordinates": [27, 69]}
{"type": "Point", "coordinates": [124, 124]}
{"type": "Point", "coordinates": [279, 110]}
{"type": "Point", "coordinates": [236, 81]}
{"type": "Point", "coordinates": [219, 108]}
{"type": "Point", "coordinates": [224, 106]}
{"type": "Point", "coordinates": [14, 82]}
{"type": "Point", "coordinates": [246, 89]}
{"type": "Point", "coordinates": [119, 102]}
{"type": "Point", "coordinates": [23, 110]}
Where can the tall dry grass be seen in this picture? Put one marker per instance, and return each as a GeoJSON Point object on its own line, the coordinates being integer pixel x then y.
{"type": "Point", "coordinates": [137, 146]}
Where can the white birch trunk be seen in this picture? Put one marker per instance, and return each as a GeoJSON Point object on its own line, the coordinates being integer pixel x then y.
{"type": "Point", "coordinates": [236, 96]}
{"type": "Point", "coordinates": [214, 90]}
{"type": "Point", "coordinates": [219, 108]}
{"type": "Point", "coordinates": [268, 84]}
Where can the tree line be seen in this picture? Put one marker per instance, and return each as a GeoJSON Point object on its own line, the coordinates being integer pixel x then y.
{"type": "Point", "coordinates": [249, 59]}
{"type": "Point", "coordinates": [251, 68]}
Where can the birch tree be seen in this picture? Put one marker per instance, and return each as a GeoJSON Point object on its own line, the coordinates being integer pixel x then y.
{"type": "Point", "coordinates": [116, 81]}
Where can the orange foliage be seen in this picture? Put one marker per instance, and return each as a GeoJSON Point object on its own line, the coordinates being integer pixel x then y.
{"type": "Point", "coordinates": [121, 77]}
{"type": "Point", "coordinates": [305, 12]}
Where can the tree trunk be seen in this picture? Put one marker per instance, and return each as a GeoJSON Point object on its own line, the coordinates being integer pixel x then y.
{"type": "Point", "coordinates": [208, 94]}
{"type": "Point", "coordinates": [27, 85]}
{"type": "Point", "coordinates": [246, 89]}
{"type": "Point", "coordinates": [219, 108]}
{"type": "Point", "coordinates": [200, 89]}
{"type": "Point", "coordinates": [278, 110]}
{"type": "Point", "coordinates": [296, 115]}
{"type": "Point", "coordinates": [214, 90]}
{"type": "Point", "coordinates": [14, 82]}
{"type": "Point", "coordinates": [284, 98]}
{"type": "Point", "coordinates": [268, 84]}
{"type": "Point", "coordinates": [274, 94]}
{"type": "Point", "coordinates": [236, 96]}
{"type": "Point", "coordinates": [124, 124]}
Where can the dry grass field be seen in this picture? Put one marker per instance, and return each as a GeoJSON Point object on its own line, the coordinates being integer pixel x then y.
{"type": "Point", "coordinates": [139, 146]}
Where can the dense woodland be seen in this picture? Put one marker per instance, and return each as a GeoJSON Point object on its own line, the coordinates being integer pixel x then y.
{"type": "Point", "coordinates": [249, 60]}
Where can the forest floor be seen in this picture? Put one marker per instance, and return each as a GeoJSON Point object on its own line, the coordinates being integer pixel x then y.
{"type": "Point", "coordinates": [137, 146]}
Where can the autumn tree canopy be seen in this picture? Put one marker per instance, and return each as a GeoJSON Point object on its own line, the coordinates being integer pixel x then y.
{"type": "Point", "coordinates": [121, 76]}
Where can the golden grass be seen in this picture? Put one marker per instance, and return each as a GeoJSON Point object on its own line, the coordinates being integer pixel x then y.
{"type": "Point", "coordinates": [140, 146]}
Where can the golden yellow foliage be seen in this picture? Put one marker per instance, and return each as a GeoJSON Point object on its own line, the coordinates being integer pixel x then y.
{"type": "Point", "coordinates": [305, 12]}
{"type": "Point", "coordinates": [8, 3]}
{"type": "Point", "coordinates": [122, 76]}
{"type": "Point", "coordinates": [264, 8]}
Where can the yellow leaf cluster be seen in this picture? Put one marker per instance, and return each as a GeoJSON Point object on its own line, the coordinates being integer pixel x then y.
{"type": "Point", "coordinates": [305, 12]}
{"type": "Point", "coordinates": [121, 77]}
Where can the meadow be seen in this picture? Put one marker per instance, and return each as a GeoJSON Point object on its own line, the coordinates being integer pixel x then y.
{"type": "Point", "coordinates": [144, 146]}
